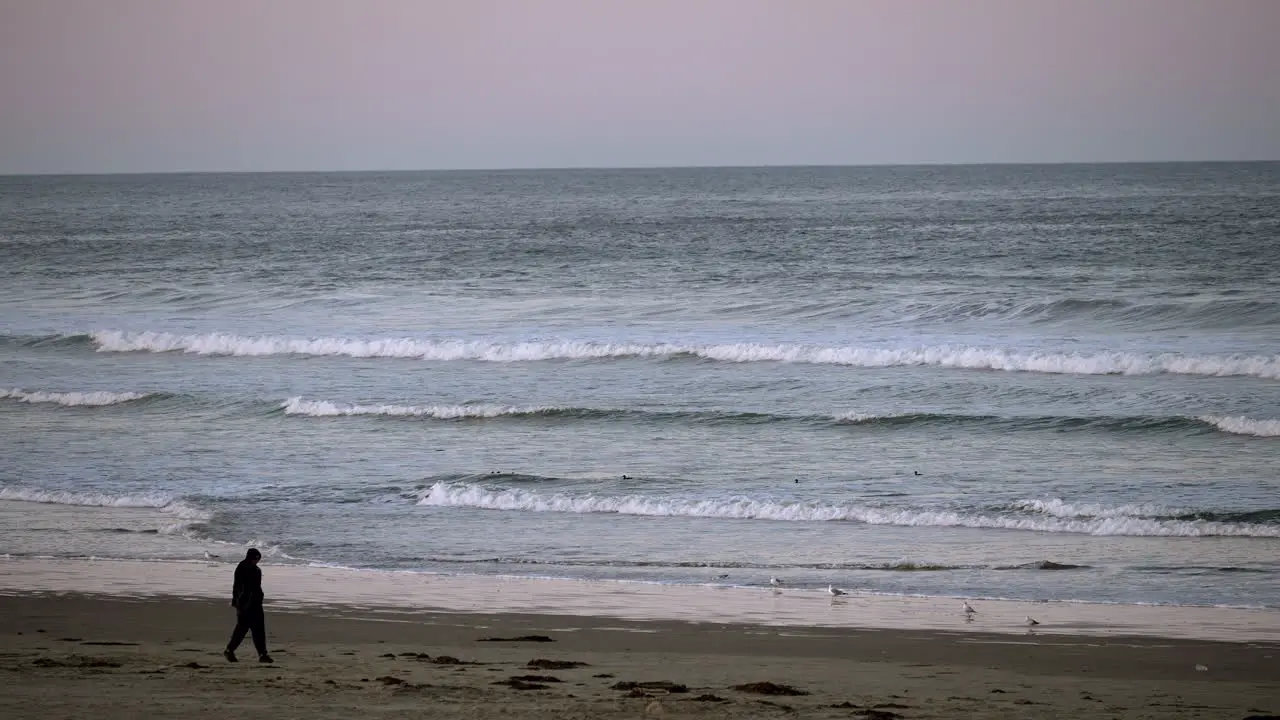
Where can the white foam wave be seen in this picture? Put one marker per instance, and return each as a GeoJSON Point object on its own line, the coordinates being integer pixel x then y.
{"type": "Point", "coordinates": [465, 495]}
{"type": "Point", "coordinates": [324, 408]}
{"type": "Point", "coordinates": [163, 503]}
{"type": "Point", "coordinates": [1059, 508]}
{"type": "Point", "coordinates": [974, 358]}
{"type": "Point", "coordinates": [1241, 425]}
{"type": "Point", "coordinates": [73, 399]}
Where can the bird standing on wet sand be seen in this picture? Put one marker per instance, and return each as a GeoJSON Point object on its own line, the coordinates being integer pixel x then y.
{"type": "Point", "coordinates": [775, 582]}
{"type": "Point", "coordinates": [968, 609]}
{"type": "Point", "coordinates": [1032, 622]}
{"type": "Point", "coordinates": [835, 591]}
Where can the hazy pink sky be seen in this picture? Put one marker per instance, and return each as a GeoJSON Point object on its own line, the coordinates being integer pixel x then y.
{"type": "Point", "coordinates": [142, 85]}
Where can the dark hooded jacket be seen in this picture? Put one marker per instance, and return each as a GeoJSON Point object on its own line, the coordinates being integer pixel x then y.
{"type": "Point", "coordinates": [246, 594]}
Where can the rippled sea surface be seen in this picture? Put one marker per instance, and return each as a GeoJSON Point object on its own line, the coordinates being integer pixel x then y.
{"type": "Point", "coordinates": [1024, 381]}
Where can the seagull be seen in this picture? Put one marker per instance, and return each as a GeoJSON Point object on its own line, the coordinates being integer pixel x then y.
{"type": "Point", "coordinates": [917, 472]}
{"type": "Point", "coordinates": [722, 576]}
{"type": "Point", "coordinates": [1032, 622]}
{"type": "Point", "coordinates": [835, 591]}
{"type": "Point", "coordinates": [775, 582]}
{"type": "Point", "coordinates": [968, 609]}
{"type": "Point", "coordinates": [209, 556]}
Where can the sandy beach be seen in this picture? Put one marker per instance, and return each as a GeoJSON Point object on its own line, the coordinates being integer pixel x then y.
{"type": "Point", "coordinates": [74, 655]}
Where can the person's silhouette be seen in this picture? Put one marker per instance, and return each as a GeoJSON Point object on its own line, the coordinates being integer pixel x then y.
{"type": "Point", "coordinates": [246, 598]}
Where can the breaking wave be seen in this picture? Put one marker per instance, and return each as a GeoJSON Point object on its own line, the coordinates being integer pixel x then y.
{"type": "Point", "coordinates": [961, 357]}
{"type": "Point", "coordinates": [1117, 523]}
{"type": "Point", "coordinates": [303, 407]}
{"type": "Point", "coordinates": [163, 503]}
{"type": "Point", "coordinates": [73, 399]}
{"type": "Point", "coordinates": [324, 408]}
{"type": "Point", "coordinates": [1241, 425]}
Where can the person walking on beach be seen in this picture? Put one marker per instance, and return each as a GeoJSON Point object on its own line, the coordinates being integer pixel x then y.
{"type": "Point", "coordinates": [246, 598]}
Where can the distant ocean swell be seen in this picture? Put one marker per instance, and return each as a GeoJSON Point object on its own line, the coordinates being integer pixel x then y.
{"type": "Point", "coordinates": [1066, 520]}
{"type": "Point", "coordinates": [1234, 425]}
{"type": "Point", "coordinates": [1195, 312]}
{"type": "Point", "coordinates": [308, 408]}
{"type": "Point", "coordinates": [958, 357]}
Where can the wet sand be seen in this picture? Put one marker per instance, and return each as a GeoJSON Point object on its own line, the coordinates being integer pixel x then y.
{"type": "Point", "coordinates": [305, 586]}
{"type": "Point", "coordinates": [75, 656]}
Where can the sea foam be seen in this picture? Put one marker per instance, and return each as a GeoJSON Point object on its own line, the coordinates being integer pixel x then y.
{"type": "Point", "coordinates": [962, 357]}
{"type": "Point", "coordinates": [157, 501]}
{"type": "Point", "coordinates": [480, 496]}
{"type": "Point", "coordinates": [1241, 425]}
{"type": "Point", "coordinates": [73, 399]}
{"type": "Point", "coordinates": [324, 408]}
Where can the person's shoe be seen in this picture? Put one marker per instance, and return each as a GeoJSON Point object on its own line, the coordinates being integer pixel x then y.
{"type": "Point", "coordinates": [264, 658]}
{"type": "Point", "coordinates": [230, 656]}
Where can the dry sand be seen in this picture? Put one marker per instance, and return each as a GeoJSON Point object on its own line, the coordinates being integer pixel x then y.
{"type": "Point", "coordinates": [83, 656]}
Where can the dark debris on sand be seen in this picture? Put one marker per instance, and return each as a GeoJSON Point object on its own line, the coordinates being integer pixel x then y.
{"type": "Point", "coordinates": [769, 688]}
{"type": "Point", "coordinates": [522, 638]}
{"type": "Point", "coordinates": [708, 697]}
{"type": "Point", "coordinates": [75, 662]}
{"type": "Point", "coordinates": [448, 660]}
{"type": "Point", "coordinates": [518, 684]}
{"type": "Point", "coordinates": [665, 685]}
{"type": "Point", "coordinates": [545, 664]}
{"type": "Point", "coordinates": [537, 678]}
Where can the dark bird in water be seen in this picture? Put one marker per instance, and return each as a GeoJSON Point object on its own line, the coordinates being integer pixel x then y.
{"type": "Point", "coordinates": [917, 472]}
{"type": "Point", "coordinates": [626, 477]}
{"type": "Point", "coordinates": [797, 481]}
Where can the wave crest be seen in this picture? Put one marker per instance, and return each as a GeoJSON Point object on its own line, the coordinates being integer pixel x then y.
{"type": "Point", "coordinates": [1240, 425]}
{"type": "Point", "coordinates": [479, 496]}
{"type": "Point", "coordinates": [73, 399]}
{"type": "Point", "coordinates": [957, 357]}
{"type": "Point", "coordinates": [163, 503]}
{"type": "Point", "coordinates": [324, 408]}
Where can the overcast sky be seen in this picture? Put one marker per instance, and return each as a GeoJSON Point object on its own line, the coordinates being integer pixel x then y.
{"type": "Point", "coordinates": [157, 85]}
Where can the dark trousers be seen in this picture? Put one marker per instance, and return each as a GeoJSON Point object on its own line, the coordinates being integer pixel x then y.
{"type": "Point", "coordinates": [250, 619]}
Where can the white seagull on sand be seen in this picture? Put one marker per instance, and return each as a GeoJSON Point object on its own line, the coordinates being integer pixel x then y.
{"type": "Point", "coordinates": [968, 609]}
{"type": "Point", "coordinates": [835, 591]}
{"type": "Point", "coordinates": [775, 582]}
{"type": "Point", "coordinates": [1032, 622]}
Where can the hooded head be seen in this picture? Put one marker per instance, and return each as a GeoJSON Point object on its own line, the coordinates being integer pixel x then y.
{"type": "Point", "coordinates": [253, 556]}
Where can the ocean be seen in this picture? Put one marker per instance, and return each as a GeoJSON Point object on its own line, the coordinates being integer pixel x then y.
{"type": "Point", "coordinates": [1030, 382]}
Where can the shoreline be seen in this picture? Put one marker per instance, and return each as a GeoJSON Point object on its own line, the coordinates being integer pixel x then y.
{"type": "Point", "coordinates": [77, 655]}
{"type": "Point", "coordinates": [303, 587]}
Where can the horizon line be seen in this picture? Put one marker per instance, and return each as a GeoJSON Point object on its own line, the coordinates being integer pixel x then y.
{"type": "Point", "coordinates": [589, 168]}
